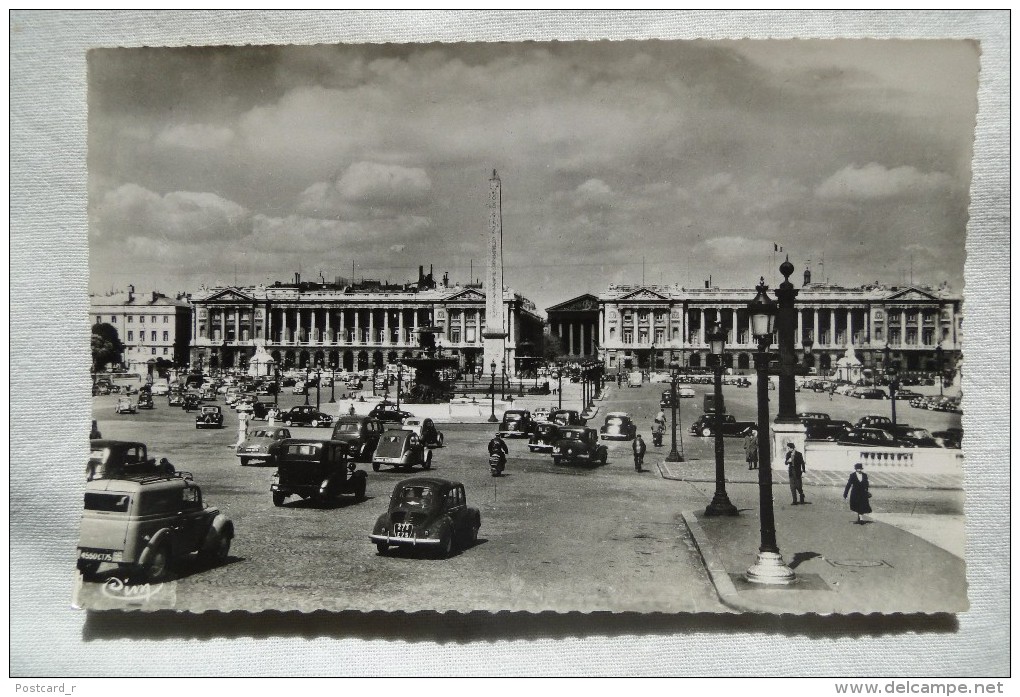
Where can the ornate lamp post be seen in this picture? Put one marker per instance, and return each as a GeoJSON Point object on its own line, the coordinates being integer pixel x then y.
{"type": "Point", "coordinates": [276, 389]}
{"type": "Point", "coordinates": [720, 504]}
{"type": "Point", "coordinates": [502, 379]}
{"type": "Point", "coordinates": [332, 383]}
{"type": "Point", "coordinates": [674, 375]}
{"type": "Point", "coordinates": [894, 383]}
{"type": "Point", "coordinates": [318, 383]}
{"type": "Point", "coordinates": [939, 356]}
{"type": "Point", "coordinates": [374, 370]}
{"type": "Point", "coordinates": [306, 385]}
{"type": "Point", "coordinates": [559, 387]}
{"type": "Point", "coordinates": [769, 567]}
{"type": "Point", "coordinates": [492, 392]}
{"type": "Point", "coordinates": [400, 375]}
{"type": "Point", "coordinates": [808, 343]}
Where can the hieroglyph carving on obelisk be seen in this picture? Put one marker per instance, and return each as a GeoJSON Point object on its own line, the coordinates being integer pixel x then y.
{"type": "Point", "coordinates": [494, 334]}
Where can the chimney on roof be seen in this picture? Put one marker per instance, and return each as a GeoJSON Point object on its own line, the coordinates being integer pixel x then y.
{"type": "Point", "coordinates": [155, 296]}
{"type": "Point", "coordinates": [807, 277]}
{"type": "Point", "coordinates": [131, 294]}
{"type": "Point", "coordinates": [421, 273]}
{"type": "Point", "coordinates": [706, 285]}
{"type": "Point", "coordinates": [446, 279]}
{"type": "Point", "coordinates": [297, 278]}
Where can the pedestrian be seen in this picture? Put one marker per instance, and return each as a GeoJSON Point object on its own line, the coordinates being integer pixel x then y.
{"type": "Point", "coordinates": [857, 488]}
{"type": "Point", "coordinates": [242, 428]}
{"type": "Point", "coordinates": [639, 452]}
{"type": "Point", "coordinates": [751, 449]}
{"type": "Point", "coordinates": [795, 468]}
{"type": "Point", "coordinates": [351, 409]}
{"type": "Point", "coordinates": [271, 417]}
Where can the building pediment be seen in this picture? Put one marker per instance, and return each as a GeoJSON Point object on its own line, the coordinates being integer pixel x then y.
{"type": "Point", "coordinates": [912, 294]}
{"type": "Point", "coordinates": [643, 294]}
{"type": "Point", "coordinates": [468, 295]}
{"type": "Point", "coordinates": [582, 303]}
{"type": "Point", "coordinates": [229, 295]}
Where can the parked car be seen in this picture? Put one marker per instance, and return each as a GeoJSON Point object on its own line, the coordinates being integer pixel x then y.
{"type": "Point", "coordinates": [618, 426]}
{"type": "Point", "coordinates": [870, 393]}
{"type": "Point", "coordinates": [873, 421]}
{"type": "Point", "coordinates": [389, 413]}
{"type": "Point", "coordinates": [427, 513]}
{"type": "Point", "coordinates": [306, 415]}
{"type": "Point", "coordinates": [101, 388]}
{"type": "Point", "coordinates": [145, 401]}
{"type": "Point", "coordinates": [116, 459]}
{"type": "Point", "coordinates": [949, 438]}
{"type": "Point", "coordinates": [567, 417]}
{"type": "Point", "coordinates": [907, 394]}
{"type": "Point", "coordinates": [261, 445]}
{"type": "Point", "coordinates": [685, 392]}
{"type": "Point", "coordinates": [360, 434]}
{"type": "Point", "coordinates": [300, 387]}
{"type": "Point", "coordinates": [125, 406]}
{"type": "Point", "coordinates": [826, 430]}
{"type": "Point", "coordinates": [516, 423]}
{"type": "Point", "coordinates": [918, 437]}
{"type": "Point", "coordinates": [147, 523]}
{"type": "Point", "coordinates": [544, 436]}
{"type": "Point", "coordinates": [579, 444]}
{"type": "Point", "coordinates": [401, 449]}
{"type": "Point", "coordinates": [316, 470]}
{"type": "Point", "coordinates": [705, 426]}
{"type": "Point", "coordinates": [807, 417]}
{"type": "Point", "coordinates": [874, 437]}
{"type": "Point", "coordinates": [426, 429]}
{"type": "Point", "coordinates": [211, 416]}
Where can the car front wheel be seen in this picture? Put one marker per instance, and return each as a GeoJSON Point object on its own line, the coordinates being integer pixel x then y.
{"type": "Point", "coordinates": [245, 461]}
{"type": "Point", "coordinates": [376, 466]}
{"type": "Point", "coordinates": [287, 422]}
{"type": "Point", "coordinates": [158, 568]}
{"type": "Point", "coordinates": [381, 547]}
{"type": "Point", "coordinates": [278, 499]}
{"type": "Point", "coordinates": [706, 431]}
{"type": "Point", "coordinates": [315, 423]}
{"type": "Point", "coordinates": [445, 546]}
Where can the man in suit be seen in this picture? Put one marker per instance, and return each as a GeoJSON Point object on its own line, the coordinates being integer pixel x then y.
{"type": "Point", "coordinates": [639, 452]}
{"type": "Point", "coordinates": [795, 468]}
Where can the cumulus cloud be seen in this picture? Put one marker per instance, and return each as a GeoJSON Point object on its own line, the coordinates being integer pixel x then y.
{"type": "Point", "coordinates": [368, 189]}
{"type": "Point", "coordinates": [134, 211]}
{"type": "Point", "coordinates": [195, 136]}
{"type": "Point", "coordinates": [873, 181]}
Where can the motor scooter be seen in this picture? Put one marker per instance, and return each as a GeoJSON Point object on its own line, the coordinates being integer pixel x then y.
{"type": "Point", "coordinates": [657, 438]}
{"type": "Point", "coordinates": [497, 463]}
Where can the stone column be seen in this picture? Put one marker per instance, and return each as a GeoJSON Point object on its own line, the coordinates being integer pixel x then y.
{"type": "Point", "coordinates": [800, 326]}
{"type": "Point", "coordinates": [386, 326]}
{"type": "Point", "coordinates": [570, 346]}
{"type": "Point", "coordinates": [814, 326]}
{"type": "Point", "coordinates": [583, 348]}
{"type": "Point", "coordinates": [341, 328]}
{"type": "Point", "coordinates": [463, 326]}
{"type": "Point", "coordinates": [313, 330]}
{"type": "Point", "coordinates": [414, 322]}
{"type": "Point", "coordinates": [634, 322]}
{"type": "Point", "coordinates": [223, 324]}
{"type": "Point", "coordinates": [701, 329]}
{"type": "Point", "coordinates": [832, 326]}
{"type": "Point", "coordinates": [400, 327]}
{"type": "Point", "coordinates": [357, 326]}
{"type": "Point", "coordinates": [903, 327]}
{"type": "Point", "coordinates": [850, 326]}
{"type": "Point", "coordinates": [371, 325]}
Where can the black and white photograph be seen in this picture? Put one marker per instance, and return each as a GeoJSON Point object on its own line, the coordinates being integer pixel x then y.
{"type": "Point", "coordinates": [645, 327]}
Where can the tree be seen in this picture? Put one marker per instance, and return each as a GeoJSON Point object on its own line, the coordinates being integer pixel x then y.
{"type": "Point", "coordinates": [552, 348]}
{"type": "Point", "coordinates": [106, 345]}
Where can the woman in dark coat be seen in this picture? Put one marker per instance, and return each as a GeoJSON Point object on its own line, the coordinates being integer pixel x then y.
{"type": "Point", "coordinates": [857, 488]}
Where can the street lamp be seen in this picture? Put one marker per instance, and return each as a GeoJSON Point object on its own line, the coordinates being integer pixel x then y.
{"type": "Point", "coordinates": [318, 382]}
{"type": "Point", "coordinates": [720, 504]}
{"type": "Point", "coordinates": [502, 379]}
{"type": "Point", "coordinates": [306, 384]}
{"type": "Point", "coordinates": [674, 375]}
{"type": "Point", "coordinates": [894, 383]}
{"type": "Point", "coordinates": [332, 383]}
{"type": "Point", "coordinates": [769, 567]}
{"type": "Point", "coordinates": [492, 392]}
{"type": "Point", "coordinates": [374, 370]}
{"type": "Point", "coordinates": [559, 387]}
{"type": "Point", "coordinates": [276, 388]}
{"type": "Point", "coordinates": [400, 371]}
{"type": "Point", "coordinates": [939, 356]}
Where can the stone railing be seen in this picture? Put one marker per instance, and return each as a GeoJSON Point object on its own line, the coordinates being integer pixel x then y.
{"type": "Point", "coordinates": [830, 456]}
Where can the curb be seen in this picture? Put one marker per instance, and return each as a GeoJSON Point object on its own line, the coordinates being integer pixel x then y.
{"type": "Point", "coordinates": [724, 587]}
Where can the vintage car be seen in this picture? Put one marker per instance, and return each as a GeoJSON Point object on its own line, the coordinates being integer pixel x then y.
{"type": "Point", "coordinates": [306, 415]}
{"type": "Point", "coordinates": [873, 421]}
{"type": "Point", "coordinates": [543, 438]}
{"type": "Point", "coordinates": [360, 433]}
{"type": "Point", "coordinates": [516, 423]}
{"type": "Point", "coordinates": [869, 393]}
{"type": "Point", "coordinates": [211, 416]}
{"type": "Point", "coordinates": [566, 417]}
{"type": "Point", "coordinates": [113, 459]}
{"type": "Point", "coordinates": [125, 406]}
{"type": "Point", "coordinates": [635, 379]}
{"type": "Point", "coordinates": [705, 426]}
{"type": "Point", "coordinates": [825, 430]}
{"type": "Point", "coordinates": [319, 470]}
{"type": "Point", "coordinates": [807, 417]}
{"type": "Point", "coordinates": [426, 429]}
{"type": "Point", "coordinates": [145, 401]}
{"type": "Point", "coordinates": [389, 413]}
{"type": "Point", "coordinates": [191, 401]}
{"type": "Point", "coordinates": [666, 401]}
{"type": "Point", "coordinates": [618, 426]}
{"type": "Point", "coordinates": [541, 414]}
{"type": "Point", "coordinates": [918, 437]}
{"type": "Point", "coordinates": [401, 449]}
{"type": "Point", "coordinates": [160, 389]}
{"type": "Point", "coordinates": [145, 524]}
{"type": "Point", "coordinates": [949, 438]}
{"type": "Point", "coordinates": [175, 397]}
{"type": "Point", "coordinates": [876, 437]}
{"type": "Point", "coordinates": [578, 444]}
{"type": "Point", "coordinates": [427, 513]}
{"type": "Point", "coordinates": [261, 445]}
{"type": "Point", "coordinates": [300, 387]}
{"type": "Point", "coordinates": [208, 394]}
{"type": "Point", "coordinates": [685, 392]}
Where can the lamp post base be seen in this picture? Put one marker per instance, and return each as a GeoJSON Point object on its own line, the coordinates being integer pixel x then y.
{"type": "Point", "coordinates": [674, 456]}
{"type": "Point", "coordinates": [493, 420]}
{"type": "Point", "coordinates": [770, 569]}
{"type": "Point", "coordinates": [721, 506]}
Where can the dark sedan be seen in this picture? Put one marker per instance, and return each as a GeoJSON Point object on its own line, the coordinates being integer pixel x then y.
{"type": "Point", "coordinates": [705, 426]}
{"type": "Point", "coordinates": [388, 413]}
{"type": "Point", "coordinates": [875, 437]}
{"type": "Point", "coordinates": [427, 513]}
{"type": "Point", "coordinates": [516, 423]}
{"type": "Point", "coordinates": [306, 416]}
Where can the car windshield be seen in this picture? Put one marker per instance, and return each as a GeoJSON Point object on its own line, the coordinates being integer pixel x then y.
{"type": "Point", "coordinates": [415, 496]}
{"type": "Point", "coordinates": [391, 438]}
{"type": "Point", "coordinates": [309, 449]}
{"type": "Point", "coordinates": [412, 422]}
{"type": "Point", "coordinates": [614, 420]}
{"type": "Point", "coordinates": [107, 501]}
{"type": "Point", "coordinates": [262, 433]}
{"type": "Point", "coordinates": [572, 434]}
{"type": "Point", "coordinates": [350, 427]}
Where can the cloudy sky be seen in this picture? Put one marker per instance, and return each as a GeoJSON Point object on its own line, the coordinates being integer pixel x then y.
{"type": "Point", "coordinates": [210, 164]}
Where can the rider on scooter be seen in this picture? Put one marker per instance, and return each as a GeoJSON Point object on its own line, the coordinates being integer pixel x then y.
{"type": "Point", "coordinates": [498, 450]}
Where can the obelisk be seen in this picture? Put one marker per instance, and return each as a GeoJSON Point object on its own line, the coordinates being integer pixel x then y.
{"type": "Point", "coordinates": [494, 335]}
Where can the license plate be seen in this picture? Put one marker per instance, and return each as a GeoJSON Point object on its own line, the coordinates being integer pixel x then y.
{"type": "Point", "coordinates": [97, 556]}
{"type": "Point", "coordinates": [403, 530]}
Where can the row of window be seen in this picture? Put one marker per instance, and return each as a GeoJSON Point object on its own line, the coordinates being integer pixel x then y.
{"type": "Point", "coordinates": [141, 336]}
{"type": "Point", "coordinates": [131, 319]}
{"type": "Point", "coordinates": [154, 350]}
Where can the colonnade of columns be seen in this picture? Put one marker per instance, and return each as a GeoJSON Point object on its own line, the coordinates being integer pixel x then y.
{"type": "Point", "coordinates": [578, 336]}
{"type": "Point", "coordinates": [357, 326]}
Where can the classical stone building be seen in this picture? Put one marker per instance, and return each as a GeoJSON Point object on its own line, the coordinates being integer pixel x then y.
{"type": "Point", "coordinates": [641, 326]}
{"type": "Point", "coordinates": [353, 326]}
{"type": "Point", "coordinates": [150, 325]}
{"type": "Point", "coordinates": [576, 324]}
